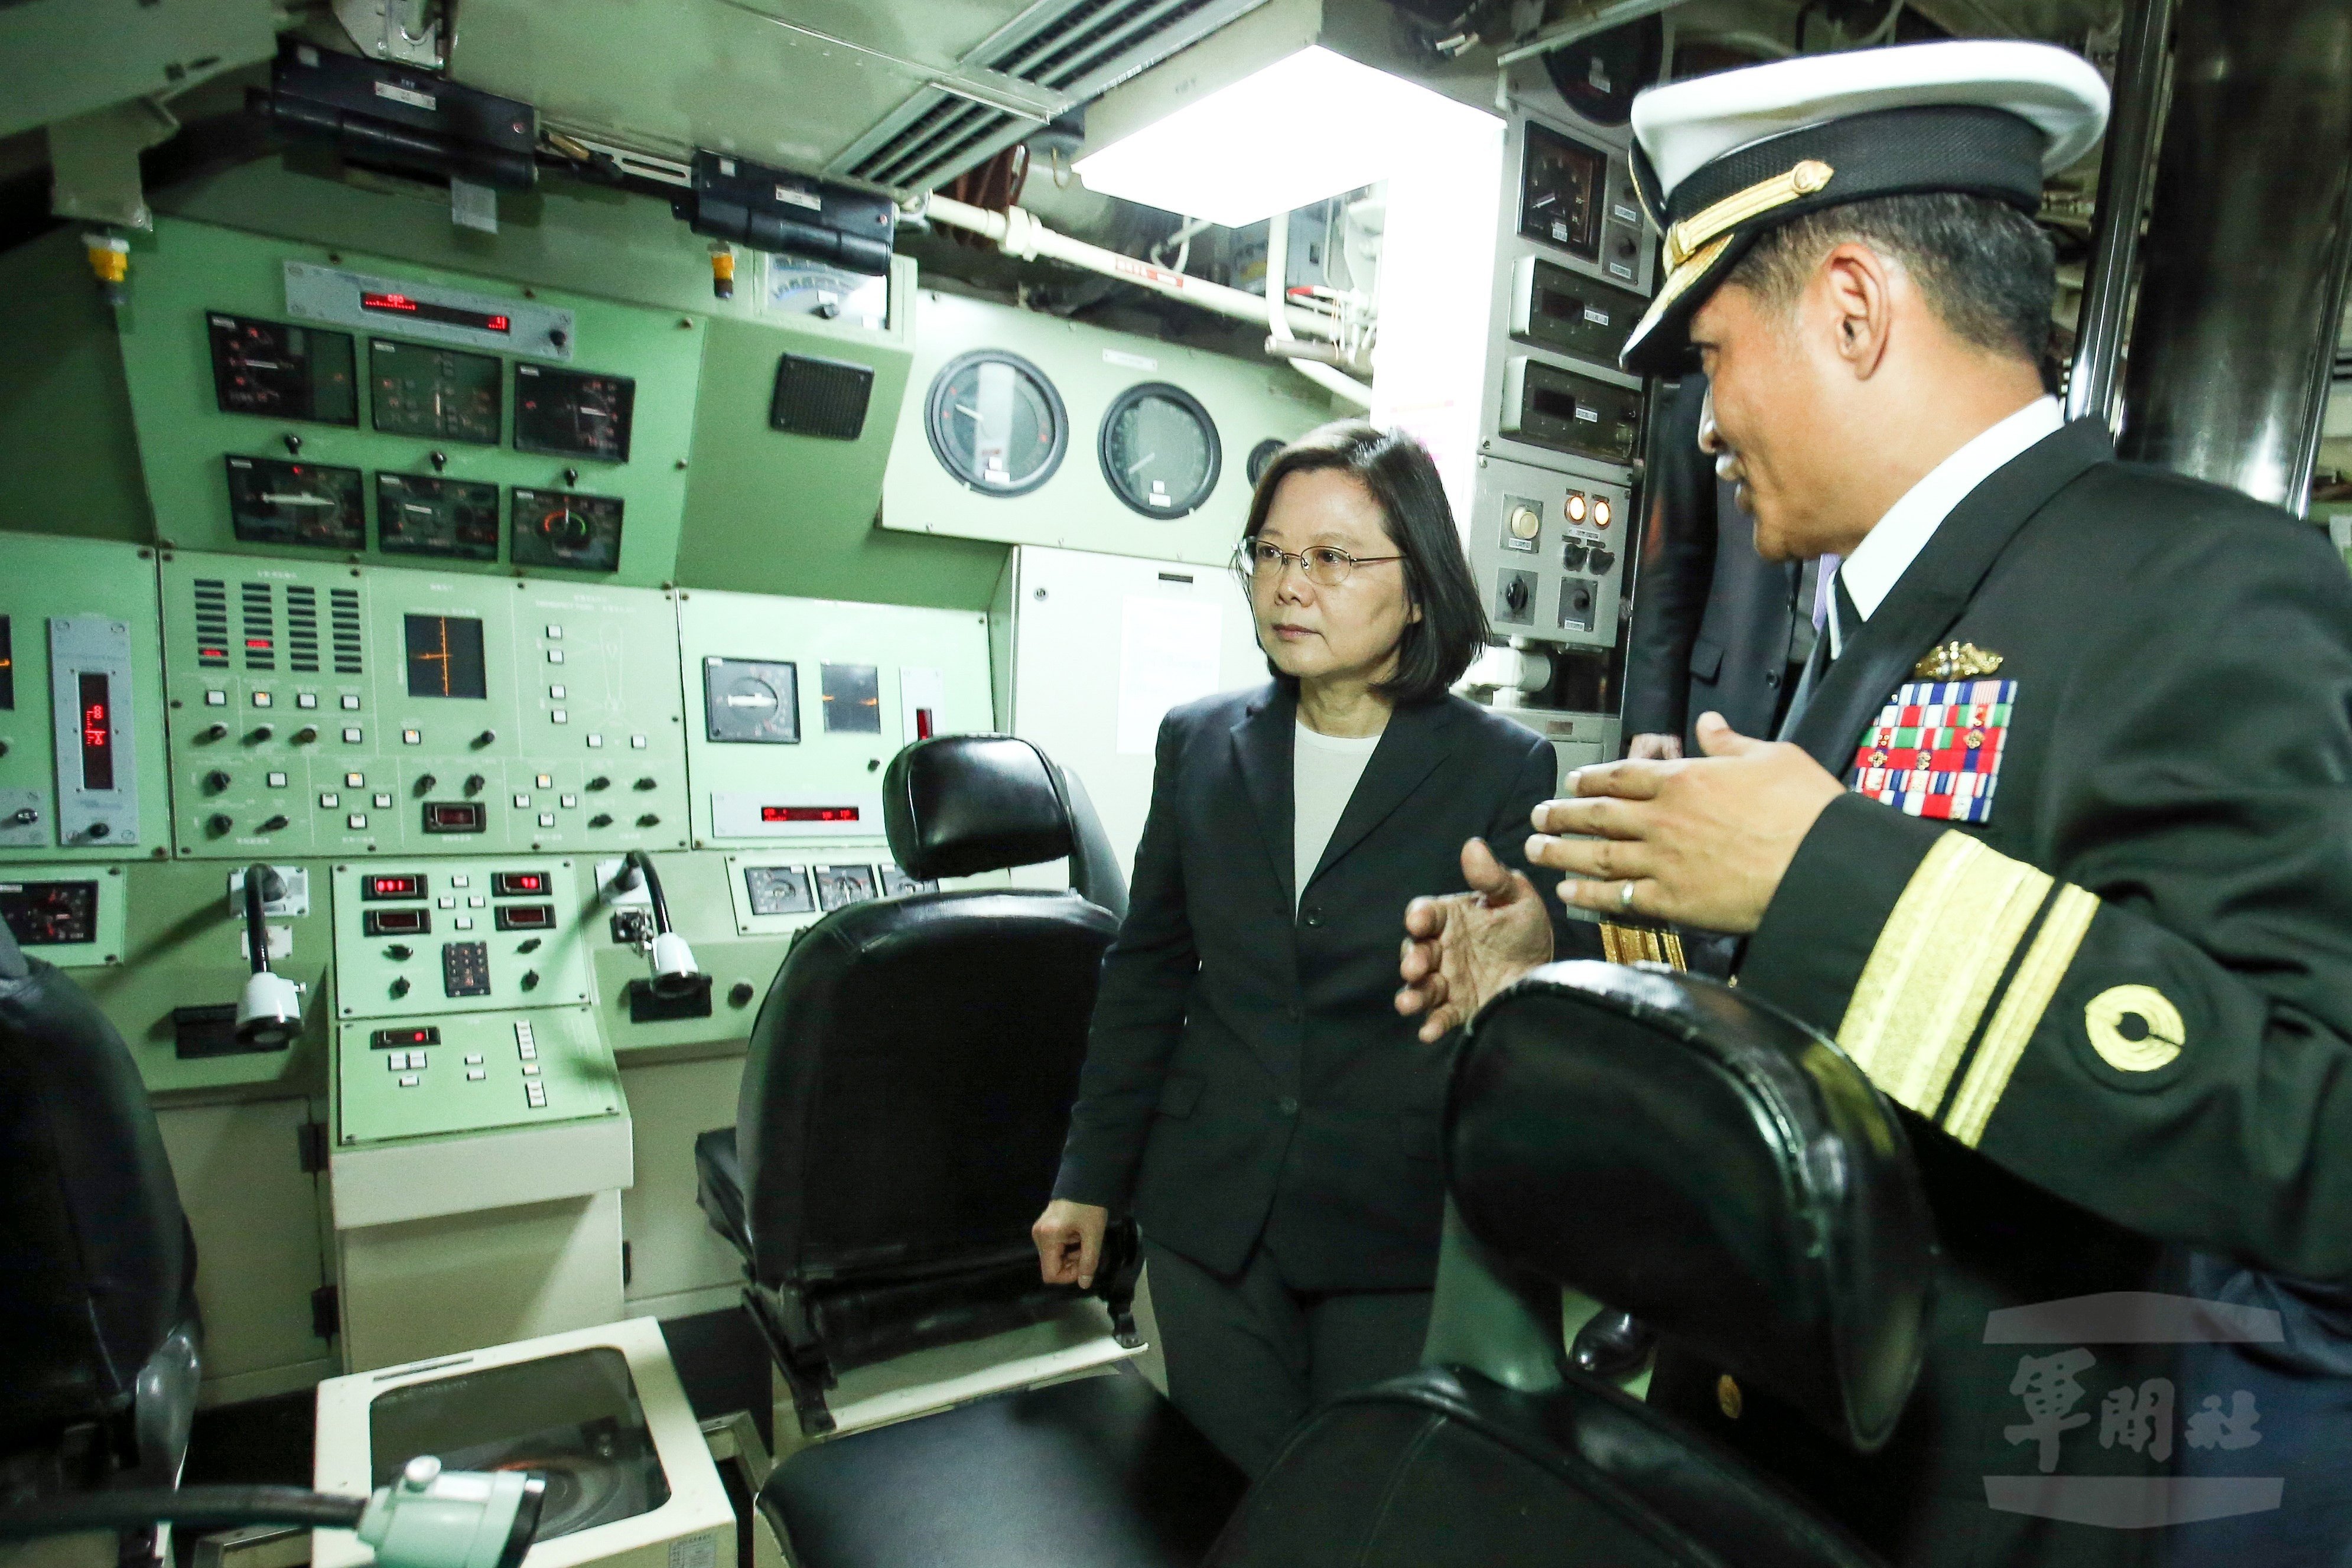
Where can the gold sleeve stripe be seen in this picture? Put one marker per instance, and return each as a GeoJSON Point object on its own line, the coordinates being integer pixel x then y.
{"type": "Point", "coordinates": [2019, 1014]}
{"type": "Point", "coordinates": [1640, 944]}
{"type": "Point", "coordinates": [1931, 974]}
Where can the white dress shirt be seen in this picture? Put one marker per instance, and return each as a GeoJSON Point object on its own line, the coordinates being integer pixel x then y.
{"type": "Point", "coordinates": [1324, 772]}
{"type": "Point", "coordinates": [1879, 561]}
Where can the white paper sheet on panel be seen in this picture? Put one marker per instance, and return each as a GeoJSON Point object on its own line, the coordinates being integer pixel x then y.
{"type": "Point", "coordinates": [1167, 654]}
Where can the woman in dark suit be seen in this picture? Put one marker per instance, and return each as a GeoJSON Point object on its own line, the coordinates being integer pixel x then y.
{"type": "Point", "coordinates": [1250, 1093]}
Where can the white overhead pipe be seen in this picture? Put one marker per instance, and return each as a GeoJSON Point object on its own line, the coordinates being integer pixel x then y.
{"type": "Point", "coordinates": [1018, 234]}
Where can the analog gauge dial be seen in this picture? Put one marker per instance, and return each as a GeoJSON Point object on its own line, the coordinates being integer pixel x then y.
{"type": "Point", "coordinates": [1262, 454]}
{"type": "Point", "coordinates": [996, 422]}
{"type": "Point", "coordinates": [1160, 450]}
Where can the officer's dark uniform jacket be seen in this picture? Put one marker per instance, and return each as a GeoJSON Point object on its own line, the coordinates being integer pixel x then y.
{"type": "Point", "coordinates": [2121, 1006]}
{"type": "Point", "coordinates": [1247, 1074]}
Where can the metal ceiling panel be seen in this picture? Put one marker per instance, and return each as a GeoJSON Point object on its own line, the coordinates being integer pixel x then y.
{"type": "Point", "coordinates": [786, 81]}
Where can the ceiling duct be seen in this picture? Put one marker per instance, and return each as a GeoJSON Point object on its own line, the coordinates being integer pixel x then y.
{"type": "Point", "coordinates": [1078, 50]}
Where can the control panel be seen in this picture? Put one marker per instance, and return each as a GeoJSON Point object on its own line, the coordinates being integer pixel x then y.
{"type": "Point", "coordinates": [432, 1072]}
{"type": "Point", "coordinates": [288, 404]}
{"type": "Point", "coordinates": [800, 703]}
{"type": "Point", "coordinates": [458, 936]}
{"type": "Point", "coordinates": [82, 734]}
{"type": "Point", "coordinates": [1562, 427]}
{"type": "Point", "coordinates": [346, 711]}
{"type": "Point", "coordinates": [776, 892]}
{"type": "Point", "coordinates": [70, 914]}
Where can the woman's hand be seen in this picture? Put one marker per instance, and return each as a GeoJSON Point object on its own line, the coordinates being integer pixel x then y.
{"type": "Point", "coordinates": [1069, 1238]}
{"type": "Point", "coordinates": [1462, 948]}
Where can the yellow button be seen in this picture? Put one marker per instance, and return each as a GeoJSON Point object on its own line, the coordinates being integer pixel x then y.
{"type": "Point", "coordinates": [1524, 523]}
{"type": "Point", "coordinates": [1727, 1397]}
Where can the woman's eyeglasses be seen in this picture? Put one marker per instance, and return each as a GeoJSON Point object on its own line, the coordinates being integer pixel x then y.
{"type": "Point", "coordinates": [1260, 563]}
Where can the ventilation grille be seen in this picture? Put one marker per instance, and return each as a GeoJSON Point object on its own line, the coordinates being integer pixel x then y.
{"type": "Point", "coordinates": [301, 628]}
{"type": "Point", "coordinates": [344, 609]}
{"type": "Point", "coordinates": [212, 624]}
{"type": "Point", "coordinates": [820, 397]}
{"type": "Point", "coordinates": [1081, 51]}
{"type": "Point", "coordinates": [261, 637]}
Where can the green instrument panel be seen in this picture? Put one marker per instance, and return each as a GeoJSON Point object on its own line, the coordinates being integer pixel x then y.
{"type": "Point", "coordinates": [258, 432]}
{"type": "Point", "coordinates": [424, 939]}
{"type": "Point", "coordinates": [94, 603]}
{"type": "Point", "coordinates": [435, 1072]}
{"type": "Point", "coordinates": [325, 710]}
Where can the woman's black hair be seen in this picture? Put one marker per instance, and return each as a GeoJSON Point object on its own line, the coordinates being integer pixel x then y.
{"type": "Point", "coordinates": [1402, 480]}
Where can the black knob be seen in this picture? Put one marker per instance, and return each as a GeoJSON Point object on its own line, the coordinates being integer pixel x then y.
{"type": "Point", "coordinates": [1604, 559]}
{"type": "Point", "coordinates": [440, 460]}
{"type": "Point", "coordinates": [1572, 558]}
{"type": "Point", "coordinates": [1515, 595]}
{"type": "Point", "coordinates": [218, 824]}
{"type": "Point", "coordinates": [739, 994]}
{"type": "Point", "coordinates": [647, 820]}
{"type": "Point", "coordinates": [260, 732]}
{"type": "Point", "coordinates": [306, 735]}
{"type": "Point", "coordinates": [101, 829]}
{"type": "Point", "coordinates": [529, 944]}
{"type": "Point", "coordinates": [215, 781]}
{"type": "Point", "coordinates": [571, 476]}
{"type": "Point", "coordinates": [1580, 598]}
{"type": "Point", "coordinates": [397, 950]}
{"type": "Point", "coordinates": [600, 781]}
{"type": "Point", "coordinates": [530, 979]}
{"type": "Point", "coordinates": [646, 783]}
{"type": "Point", "coordinates": [24, 817]}
{"type": "Point", "coordinates": [599, 820]}
{"type": "Point", "coordinates": [474, 782]}
{"type": "Point", "coordinates": [214, 732]}
{"type": "Point", "coordinates": [485, 737]}
{"type": "Point", "coordinates": [558, 336]}
{"type": "Point", "coordinates": [293, 443]}
{"type": "Point", "coordinates": [400, 985]}
{"type": "Point", "coordinates": [424, 782]}
{"type": "Point", "coordinates": [273, 824]}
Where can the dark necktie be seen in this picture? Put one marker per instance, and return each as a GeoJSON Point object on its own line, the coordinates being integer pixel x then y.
{"type": "Point", "coordinates": [1848, 621]}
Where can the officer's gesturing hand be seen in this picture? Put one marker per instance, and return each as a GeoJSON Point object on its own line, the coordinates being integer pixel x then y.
{"type": "Point", "coordinates": [1462, 948]}
{"type": "Point", "coordinates": [1702, 842]}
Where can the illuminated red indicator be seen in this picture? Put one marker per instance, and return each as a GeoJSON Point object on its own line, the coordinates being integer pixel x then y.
{"type": "Point", "coordinates": [97, 732]}
{"type": "Point", "coordinates": [257, 642]}
{"type": "Point", "coordinates": [808, 813]}
{"type": "Point", "coordinates": [497, 323]}
{"type": "Point", "coordinates": [922, 724]}
{"type": "Point", "coordinates": [387, 302]}
{"type": "Point", "coordinates": [393, 886]}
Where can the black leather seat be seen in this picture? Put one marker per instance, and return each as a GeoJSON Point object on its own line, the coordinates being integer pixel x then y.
{"type": "Point", "coordinates": [910, 1077]}
{"type": "Point", "coordinates": [1651, 1138]}
{"type": "Point", "coordinates": [98, 1330]}
{"type": "Point", "coordinates": [1654, 1140]}
{"type": "Point", "coordinates": [1098, 1473]}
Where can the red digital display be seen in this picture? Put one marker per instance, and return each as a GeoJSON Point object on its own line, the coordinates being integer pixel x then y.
{"type": "Point", "coordinates": [97, 732]}
{"type": "Point", "coordinates": [407, 885]}
{"type": "Point", "coordinates": [808, 813]}
{"type": "Point", "coordinates": [426, 310]}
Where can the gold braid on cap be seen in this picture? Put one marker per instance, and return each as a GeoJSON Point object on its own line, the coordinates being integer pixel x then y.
{"type": "Point", "coordinates": [1693, 244]}
{"type": "Point", "coordinates": [1686, 237]}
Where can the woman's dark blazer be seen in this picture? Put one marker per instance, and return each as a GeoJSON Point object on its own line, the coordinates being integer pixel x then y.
{"type": "Point", "coordinates": [1247, 1074]}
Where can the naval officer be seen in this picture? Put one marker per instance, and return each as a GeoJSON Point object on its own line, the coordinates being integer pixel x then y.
{"type": "Point", "coordinates": [2057, 840]}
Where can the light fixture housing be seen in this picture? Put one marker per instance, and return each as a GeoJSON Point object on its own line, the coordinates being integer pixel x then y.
{"type": "Point", "coordinates": [1310, 124]}
{"type": "Point", "coordinates": [269, 1011]}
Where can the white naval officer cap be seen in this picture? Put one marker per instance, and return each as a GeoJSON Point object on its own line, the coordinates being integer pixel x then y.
{"type": "Point", "coordinates": [1719, 160]}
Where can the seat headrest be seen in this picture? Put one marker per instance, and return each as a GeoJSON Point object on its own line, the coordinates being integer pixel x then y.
{"type": "Point", "coordinates": [960, 804]}
{"type": "Point", "coordinates": [1700, 1158]}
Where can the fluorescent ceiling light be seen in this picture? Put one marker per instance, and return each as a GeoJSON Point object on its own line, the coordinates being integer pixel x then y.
{"type": "Point", "coordinates": [1309, 126]}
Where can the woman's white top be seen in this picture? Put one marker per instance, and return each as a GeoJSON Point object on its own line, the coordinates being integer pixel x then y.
{"type": "Point", "coordinates": [1323, 774]}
